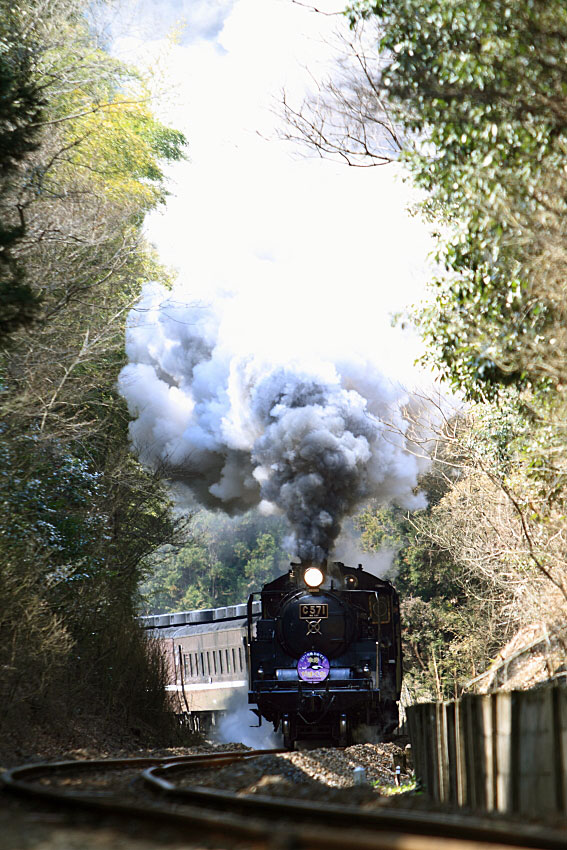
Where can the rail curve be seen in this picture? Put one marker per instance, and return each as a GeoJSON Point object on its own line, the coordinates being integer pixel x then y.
{"type": "Point", "coordinates": [297, 823]}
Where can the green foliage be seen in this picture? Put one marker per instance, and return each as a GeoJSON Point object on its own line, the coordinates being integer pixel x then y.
{"type": "Point", "coordinates": [384, 528]}
{"type": "Point", "coordinates": [481, 90]}
{"type": "Point", "coordinates": [21, 107]}
{"type": "Point", "coordinates": [74, 528]}
{"type": "Point", "coordinates": [78, 515]}
{"type": "Point", "coordinates": [222, 565]}
{"type": "Point", "coordinates": [82, 159]}
{"type": "Point", "coordinates": [120, 144]}
{"type": "Point", "coordinates": [439, 613]}
{"type": "Point", "coordinates": [409, 786]}
{"type": "Point", "coordinates": [419, 569]}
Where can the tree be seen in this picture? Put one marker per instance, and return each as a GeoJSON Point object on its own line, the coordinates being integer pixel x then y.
{"type": "Point", "coordinates": [471, 96]}
{"type": "Point", "coordinates": [348, 117]}
{"type": "Point", "coordinates": [226, 560]}
{"type": "Point", "coordinates": [479, 90]}
{"type": "Point", "coordinates": [441, 603]}
{"type": "Point", "coordinates": [78, 515]}
{"type": "Point", "coordinates": [21, 107]}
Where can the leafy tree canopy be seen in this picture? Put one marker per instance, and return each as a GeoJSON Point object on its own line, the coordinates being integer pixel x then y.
{"type": "Point", "coordinates": [226, 561]}
{"type": "Point", "coordinates": [21, 108]}
{"type": "Point", "coordinates": [82, 163]}
{"type": "Point", "coordinates": [481, 89]}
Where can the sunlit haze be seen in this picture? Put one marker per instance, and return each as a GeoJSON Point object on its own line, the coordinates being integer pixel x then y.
{"type": "Point", "coordinates": [312, 249]}
{"type": "Point", "coordinates": [271, 376]}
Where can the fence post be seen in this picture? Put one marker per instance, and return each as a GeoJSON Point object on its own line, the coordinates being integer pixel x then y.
{"type": "Point", "coordinates": [420, 733]}
{"type": "Point", "coordinates": [502, 751]}
{"type": "Point", "coordinates": [537, 789]}
{"type": "Point", "coordinates": [434, 785]}
{"type": "Point", "coordinates": [452, 792]}
{"type": "Point", "coordinates": [560, 745]}
{"type": "Point", "coordinates": [460, 755]}
{"type": "Point", "coordinates": [485, 746]}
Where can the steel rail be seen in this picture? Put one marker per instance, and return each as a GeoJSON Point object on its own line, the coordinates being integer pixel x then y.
{"type": "Point", "coordinates": [446, 825]}
{"type": "Point", "coordinates": [253, 817]}
{"type": "Point", "coordinates": [21, 781]}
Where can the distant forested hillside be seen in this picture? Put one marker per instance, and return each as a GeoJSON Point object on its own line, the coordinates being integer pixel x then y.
{"type": "Point", "coordinates": [225, 560]}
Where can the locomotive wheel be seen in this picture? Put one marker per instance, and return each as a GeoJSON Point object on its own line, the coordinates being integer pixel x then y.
{"type": "Point", "coordinates": [289, 743]}
{"type": "Point", "coordinates": [288, 739]}
{"type": "Point", "coordinates": [343, 731]}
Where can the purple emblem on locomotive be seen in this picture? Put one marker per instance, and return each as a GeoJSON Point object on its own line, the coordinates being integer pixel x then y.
{"type": "Point", "coordinates": [313, 667]}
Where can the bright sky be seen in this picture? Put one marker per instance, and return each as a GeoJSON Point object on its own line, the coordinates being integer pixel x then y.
{"type": "Point", "coordinates": [314, 250]}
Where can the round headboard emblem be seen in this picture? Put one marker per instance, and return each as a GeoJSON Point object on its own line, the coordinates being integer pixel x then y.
{"type": "Point", "coordinates": [313, 667]}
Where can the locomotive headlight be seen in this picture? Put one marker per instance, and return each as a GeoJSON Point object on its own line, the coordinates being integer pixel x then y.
{"type": "Point", "coordinates": [313, 577]}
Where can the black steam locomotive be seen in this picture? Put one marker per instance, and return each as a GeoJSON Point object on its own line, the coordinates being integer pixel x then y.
{"type": "Point", "coordinates": [324, 658]}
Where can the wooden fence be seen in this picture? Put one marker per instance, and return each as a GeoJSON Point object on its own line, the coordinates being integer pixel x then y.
{"type": "Point", "coordinates": [503, 752]}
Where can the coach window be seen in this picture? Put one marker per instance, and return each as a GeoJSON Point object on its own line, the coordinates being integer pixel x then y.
{"type": "Point", "coordinates": [185, 666]}
{"type": "Point", "coordinates": [221, 665]}
{"type": "Point", "coordinates": [202, 663]}
{"type": "Point", "coordinates": [227, 659]}
{"type": "Point", "coordinates": [240, 656]}
{"type": "Point", "coordinates": [234, 659]}
{"type": "Point", "coordinates": [215, 661]}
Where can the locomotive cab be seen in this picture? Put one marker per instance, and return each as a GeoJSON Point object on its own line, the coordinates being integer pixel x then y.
{"type": "Point", "coordinates": [324, 658]}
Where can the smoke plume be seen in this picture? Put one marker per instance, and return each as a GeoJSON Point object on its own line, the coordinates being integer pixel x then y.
{"type": "Point", "coordinates": [310, 437]}
{"type": "Point", "coordinates": [239, 725]}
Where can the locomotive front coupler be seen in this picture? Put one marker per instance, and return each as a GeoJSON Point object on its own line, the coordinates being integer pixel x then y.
{"type": "Point", "coordinates": [313, 696]}
{"type": "Point", "coordinates": [319, 717]}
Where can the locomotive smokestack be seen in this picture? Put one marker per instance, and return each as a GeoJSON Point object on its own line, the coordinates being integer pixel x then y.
{"type": "Point", "coordinates": [311, 439]}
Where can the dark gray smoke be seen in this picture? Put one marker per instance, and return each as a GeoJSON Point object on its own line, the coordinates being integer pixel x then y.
{"type": "Point", "coordinates": [310, 440]}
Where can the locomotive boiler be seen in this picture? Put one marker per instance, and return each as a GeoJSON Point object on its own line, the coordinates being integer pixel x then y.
{"type": "Point", "coordinates": [324, 657]}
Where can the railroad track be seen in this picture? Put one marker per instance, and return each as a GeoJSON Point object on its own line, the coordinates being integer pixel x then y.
{"type": "Point", "coordinates": [121, 787]}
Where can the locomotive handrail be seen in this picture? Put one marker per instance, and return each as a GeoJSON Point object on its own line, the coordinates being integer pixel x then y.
{"type": "Point", "coordinates": [249, 609]}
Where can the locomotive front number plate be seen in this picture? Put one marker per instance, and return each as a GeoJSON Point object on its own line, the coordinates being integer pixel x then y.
{"type": "Point", "coordinates": [318, 611]}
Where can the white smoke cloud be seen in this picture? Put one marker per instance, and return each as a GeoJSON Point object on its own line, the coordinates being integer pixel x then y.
{"type": "Point", "coordinates": [193, 20]}
{"type": "Point", "coordinates": [348, 549]}
{"type": "Point", "coordinates": [270, 375]}
{"type": "Point", "coordinates": [240, 726]}
{"type": "Point", "coordinates": [311, 438]}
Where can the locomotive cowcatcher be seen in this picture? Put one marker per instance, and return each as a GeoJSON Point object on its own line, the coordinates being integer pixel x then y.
{"type": "Point", "coordinates": [324, 658]}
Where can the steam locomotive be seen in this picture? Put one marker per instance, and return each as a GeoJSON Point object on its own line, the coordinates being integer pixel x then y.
{"type": "Point", "coordinates": [324, 656]}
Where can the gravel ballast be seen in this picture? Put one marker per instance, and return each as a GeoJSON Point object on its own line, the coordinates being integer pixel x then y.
{"type": "Point", "coordinates": [324, 774]}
